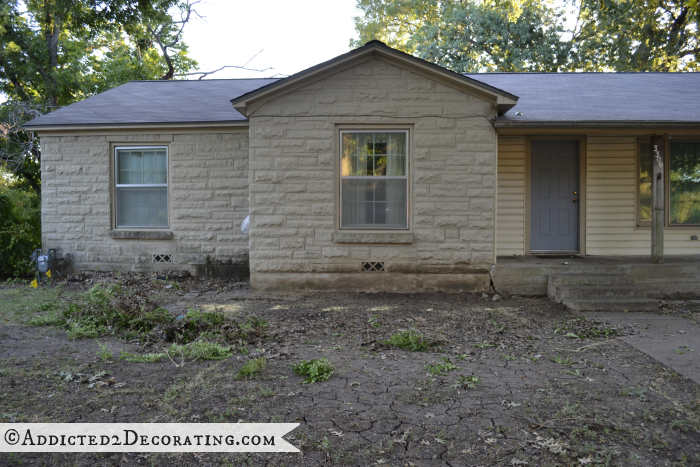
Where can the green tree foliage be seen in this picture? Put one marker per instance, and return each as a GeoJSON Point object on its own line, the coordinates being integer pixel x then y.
{"type": "Point", "coordinates": [20, 228]}
{"type": "Point", "coordinates": [56, 52]}
{"type": "Point", "coordinates": [637, 35]}
{"type": "Point", "coordinates": [531, 35]}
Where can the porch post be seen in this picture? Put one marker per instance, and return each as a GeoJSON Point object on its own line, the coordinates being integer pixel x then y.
{"type": "Point", "coordinates": [658, 148]}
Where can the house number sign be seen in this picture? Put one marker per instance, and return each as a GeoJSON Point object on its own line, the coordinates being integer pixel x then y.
{"type": "Point", "coordinates": [657, 156]}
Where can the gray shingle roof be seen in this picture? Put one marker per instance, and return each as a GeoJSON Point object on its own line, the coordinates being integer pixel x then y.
{"type": "Point", "coordinates": [549, 98]}
{"type": "Point", "coordinates": [142, 102]}
{"type": "Point", "coordinates": [599, 97]}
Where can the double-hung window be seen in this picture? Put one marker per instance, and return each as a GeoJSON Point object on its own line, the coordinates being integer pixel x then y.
{"type": "Point", "coordinates": [141, 194]}
{"type": "Point", "coordinates": [374, 179]}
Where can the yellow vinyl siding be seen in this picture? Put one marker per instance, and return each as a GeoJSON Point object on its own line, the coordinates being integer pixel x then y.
{"type": "Point", "coordinates": [510, 197]}
{"type": "Point", "coordinates": [611, 204]}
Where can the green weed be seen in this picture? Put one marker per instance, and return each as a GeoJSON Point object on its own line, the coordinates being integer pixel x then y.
{"type": "Point", "coordinates": [144, 358]}
{"type": "Point", "coordinates": [409, 340]}
{"type": "Point", "coordinates": [105, 353]}
{"type": "Point", "coordinates": [374, 322]}
{"type": "Point", "coordinates": [201, 350]}
{"type": "Point", "coordinates": [467, 382]}
{"type": "Point", "coordinates": [562, 361]}
{"type": "Point", "coordinates": [441, 368]}
{"type": "Point", "coordinates": [252, 367]}
{"type": "Point", "coordinates": [315, 371]}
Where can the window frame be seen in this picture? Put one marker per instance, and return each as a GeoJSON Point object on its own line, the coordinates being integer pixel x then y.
{"type": "Point", "coordinates": [407, 177]}
{"type": "Point", "coordinates": [667, 188]}
{"type": "Point", "coordinates": [117, 185]}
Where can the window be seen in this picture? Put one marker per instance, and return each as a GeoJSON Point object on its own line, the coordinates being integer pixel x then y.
{"type": "Point", "coordinates": [141, 187]}
{"type": "Point", "coordinates": [684, 183]}
{"type": "Point", "coordinates": [644, 183]}
{"type": "Point", "coordinates": [374, 180]}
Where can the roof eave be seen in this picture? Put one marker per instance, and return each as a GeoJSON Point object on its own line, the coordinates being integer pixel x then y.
{"type": "Point", "coordinates": [594, 124]}
{"type": "Point", "coordinates": [126, 126]}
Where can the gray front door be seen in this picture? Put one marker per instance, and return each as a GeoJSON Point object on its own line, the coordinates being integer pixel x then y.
{"type": "Point", "coordinates": [554, 196]}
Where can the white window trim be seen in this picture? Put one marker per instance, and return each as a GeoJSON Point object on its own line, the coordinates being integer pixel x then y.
{"type": "Point", "coordinates": [147, 185]}
{"type": "Point", "coordinates": [383, 177]}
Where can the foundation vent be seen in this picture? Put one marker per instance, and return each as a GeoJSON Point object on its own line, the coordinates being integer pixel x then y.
{"type": "Point", "coordinates": [162, 258]}
{"type": "Point", "coordinates": [373, 266]}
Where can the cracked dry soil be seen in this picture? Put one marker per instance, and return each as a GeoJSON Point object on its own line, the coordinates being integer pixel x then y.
{"type": "Point", "coordinates": [539, 402]}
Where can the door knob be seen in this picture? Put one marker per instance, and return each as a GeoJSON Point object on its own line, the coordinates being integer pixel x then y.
{"type": "Point", "coordinates": [574, 200]}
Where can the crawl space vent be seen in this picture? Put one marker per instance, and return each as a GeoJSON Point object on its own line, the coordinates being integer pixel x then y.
{"type": "Point", "coordinates": [162, 258]}
{"type": "Point", "coordinates": [372, 266]}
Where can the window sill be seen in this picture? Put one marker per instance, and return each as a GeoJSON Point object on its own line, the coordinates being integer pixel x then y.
{"type": "Point", "coordinates": [141, 234]}
{"type": "Point", "coordinates": [348, 237]}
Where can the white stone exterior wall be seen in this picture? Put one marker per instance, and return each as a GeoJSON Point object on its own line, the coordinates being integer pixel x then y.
{"type": "Point", "coordinates": [294, 187]}
{"type": "Point", "coordinates": [208, 195]}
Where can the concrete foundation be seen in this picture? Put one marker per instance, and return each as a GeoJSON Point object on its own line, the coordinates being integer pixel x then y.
{"type": "Point", "coordinates": [527, 275]}
{"type": "Point", "coordinates": [369, 282]}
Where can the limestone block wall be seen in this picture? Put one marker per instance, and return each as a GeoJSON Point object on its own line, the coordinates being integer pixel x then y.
{"type": "Point", "coordinates": [294, 188]}
{"type": "Point", "coordinates": [208, 198]}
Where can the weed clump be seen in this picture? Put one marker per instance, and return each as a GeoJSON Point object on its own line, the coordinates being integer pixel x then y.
{"type": "Point", "coordinates": [214, 326]}
{"type": "Point", "coordinates": [145, 358]}
{"type": "Point", "coordinates": [441, 368]}
{"type": "Point", "coordinates": [317, 370]}
{"type": "Point", "coordinates": [252, 367]}
{"type": "Point", "coordinates": [409, 340]}
{"type": "Point", "coordinates": [107, 309]}
{"type": "Point", "coordinates": [467, 382]}
{"type": "Point", "coordinates": [202, 350]}
{"type": "Point", "coordinates": [105, 353]}
{"type": "Point", "coordinates": [51, 320]}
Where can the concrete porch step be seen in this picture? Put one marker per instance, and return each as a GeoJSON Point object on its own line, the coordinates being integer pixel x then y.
{"type": "Point", "coordinates": [591, 279]}
{"type": "Point", "coordinates": [635, 304]}
{"type": "Point", "coordinates": [593, 292]}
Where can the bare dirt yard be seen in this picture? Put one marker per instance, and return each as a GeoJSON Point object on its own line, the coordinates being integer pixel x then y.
{"type": "Point", "coordinates": [408, 380]}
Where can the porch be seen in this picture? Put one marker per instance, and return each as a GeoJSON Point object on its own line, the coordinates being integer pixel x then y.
{"type": "Point", "coordinates": [529, 275]}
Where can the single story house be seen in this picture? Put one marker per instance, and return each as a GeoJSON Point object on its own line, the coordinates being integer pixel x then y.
{"type": "Point", "coordinates": [376, 171]}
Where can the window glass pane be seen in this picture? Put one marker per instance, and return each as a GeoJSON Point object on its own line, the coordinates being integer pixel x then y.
{"type": "Point", "coordinates": [349, 154]}
{"type": "Point", "coordinates": [142, 167]}
{"type": "Point", "coordinates": [376, 203]}
{"type": "Point", "coordinates": [142, 207]}
{"type": "Point", "coordinates": [373, 154]}
{"type": "Point", "coordinates": [685, 183]}
{"type": "Point", "coordinates": [645, 171]}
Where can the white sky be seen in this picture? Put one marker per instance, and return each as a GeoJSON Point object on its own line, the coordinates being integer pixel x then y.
{"type": "Point", "coordinates": [294, 35]}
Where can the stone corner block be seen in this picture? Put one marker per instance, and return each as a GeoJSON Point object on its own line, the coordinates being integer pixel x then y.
{"type": "Point", "coordinates": [348, 237]}
{"type": "Point", "coordinates": [141, 234]}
